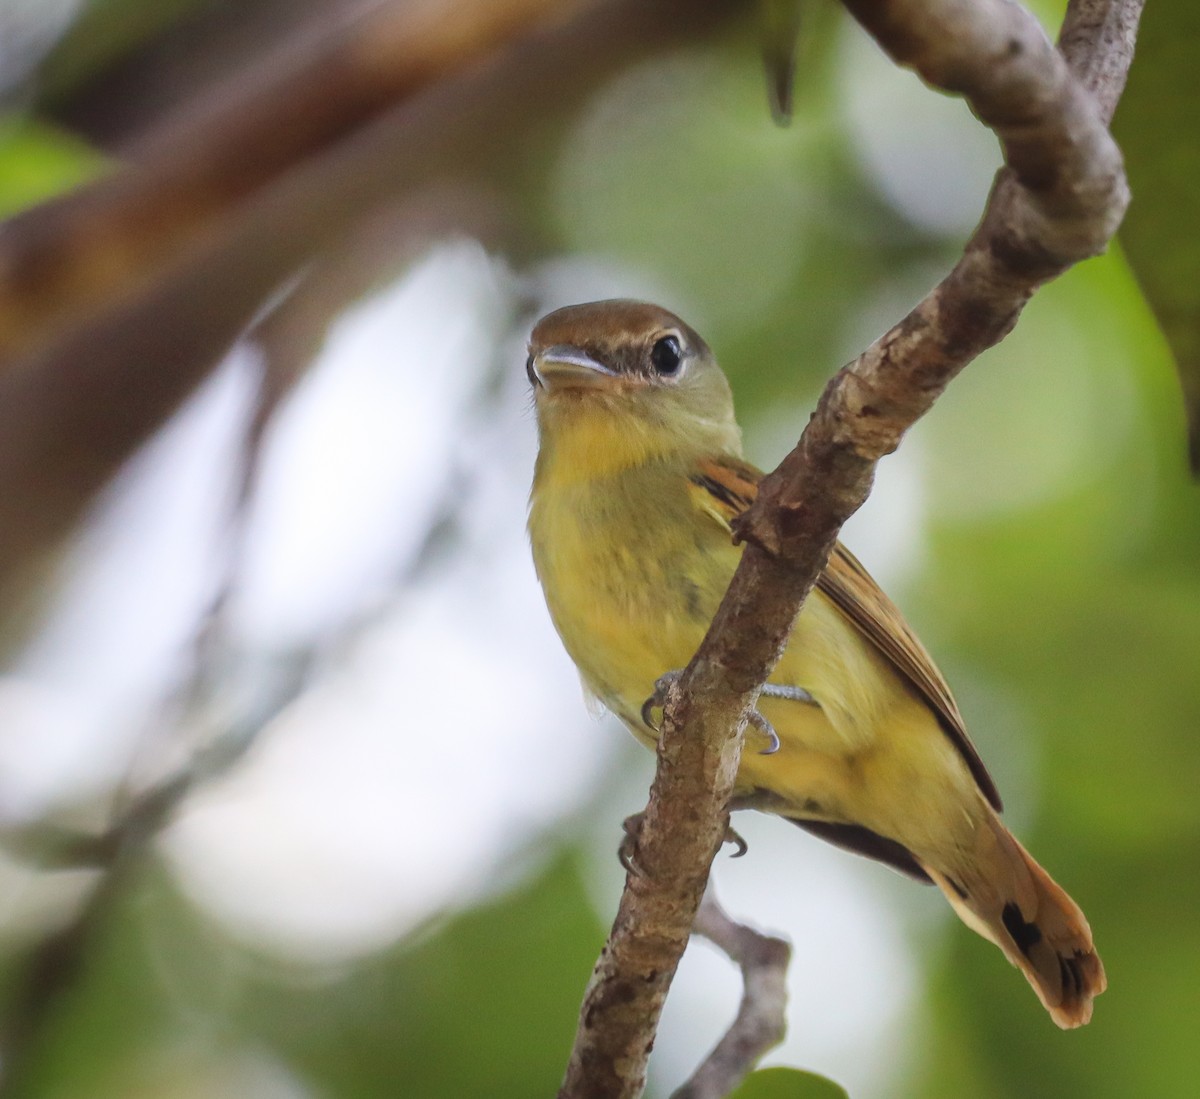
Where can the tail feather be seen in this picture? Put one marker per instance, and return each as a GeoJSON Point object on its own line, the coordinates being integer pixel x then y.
{"type": "Point", "coordinates": [1004, 895]}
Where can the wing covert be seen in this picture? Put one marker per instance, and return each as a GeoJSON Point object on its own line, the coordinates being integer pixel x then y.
{"type": "Point", "coordinates": [726, 486]}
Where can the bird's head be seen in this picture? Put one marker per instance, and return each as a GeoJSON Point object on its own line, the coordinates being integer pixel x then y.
{"type": "Point", "coordinates": [619, 383]}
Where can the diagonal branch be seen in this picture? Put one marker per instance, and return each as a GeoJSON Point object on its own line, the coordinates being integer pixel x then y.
{"type": "Point", "coordinates": [1058, 200]}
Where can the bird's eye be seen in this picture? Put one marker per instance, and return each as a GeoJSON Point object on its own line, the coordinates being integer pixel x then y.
{"type": "Point", "coordinates": [666, 356]}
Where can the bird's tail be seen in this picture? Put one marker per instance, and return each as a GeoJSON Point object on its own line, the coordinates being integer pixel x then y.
{"type": "Point", "coordinates": [1002, 893]}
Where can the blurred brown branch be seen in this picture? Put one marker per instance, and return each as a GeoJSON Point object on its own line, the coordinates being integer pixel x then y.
{"type": "Point", "coordinates": [103, 242]}
{"type": "Point", "coordinates": [1057, 201]}
{"type": "Point", "coordinates": [119, 358]}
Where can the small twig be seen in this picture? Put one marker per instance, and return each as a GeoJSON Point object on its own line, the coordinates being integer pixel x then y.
{"type": "Point", "coordinates": [1058, 200]}
{"type": "Point", "coordinates": [761, 1021]}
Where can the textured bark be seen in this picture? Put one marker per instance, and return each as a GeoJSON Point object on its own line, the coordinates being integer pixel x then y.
{"type": "Point", "coordinates": [1058, 200]}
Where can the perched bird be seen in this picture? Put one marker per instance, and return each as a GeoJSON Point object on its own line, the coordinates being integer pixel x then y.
{"type": "Point", "coordinates": [639, 474]}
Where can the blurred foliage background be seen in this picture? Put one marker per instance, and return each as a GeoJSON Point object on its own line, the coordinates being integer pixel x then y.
{"type": "Point", "coordinates": [309, 593]}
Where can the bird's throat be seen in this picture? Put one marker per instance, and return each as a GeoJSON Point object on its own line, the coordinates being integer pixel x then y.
{"type": "Point", "coordinates": [590, 437]}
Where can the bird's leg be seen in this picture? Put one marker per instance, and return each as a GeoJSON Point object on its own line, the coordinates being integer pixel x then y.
{"type": "Point", "coordinates": [770, 690]}
{"type": "Point", "coordinates": [632, 826]}
{"type": "Point", "coordinates": [792, 694]}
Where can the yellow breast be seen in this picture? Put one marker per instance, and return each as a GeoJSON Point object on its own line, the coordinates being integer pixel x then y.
{"type": "Point", "coordinates": [629, 579]}
{"type": "Point", "coordinates": [633, 567]}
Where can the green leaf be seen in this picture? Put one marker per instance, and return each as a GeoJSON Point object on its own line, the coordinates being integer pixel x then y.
{"type": "Point", "coordinates": [788, 1083]}
{"type": "Point", "coordinates": [38, 161]}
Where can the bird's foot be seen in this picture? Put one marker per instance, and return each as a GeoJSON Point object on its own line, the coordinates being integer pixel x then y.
{"type": "Point", "coordinates": [632, 826]}
{"type": "Point", "coordinates": [770, 690]}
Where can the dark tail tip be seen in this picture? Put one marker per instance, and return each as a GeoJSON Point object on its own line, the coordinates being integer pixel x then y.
{"type": "Point", "coordinates": [1066, 981]}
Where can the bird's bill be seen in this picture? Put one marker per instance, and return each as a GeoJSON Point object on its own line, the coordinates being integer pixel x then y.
{"type": "Point", "coordinates": [560, 366]}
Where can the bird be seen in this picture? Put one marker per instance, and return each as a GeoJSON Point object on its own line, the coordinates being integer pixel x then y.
{"type": "Point", "coordinates": [638, 478]}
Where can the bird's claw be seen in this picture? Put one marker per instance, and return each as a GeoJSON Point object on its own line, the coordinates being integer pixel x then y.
{"type": "Point", "coordinates": [659, 698]}
{"type": "Point", "coordinates": [767, 729]}
{"type": "Point", "coordinates": [627, 849]}
{"type": "Point", "coordinates": [755, 717]}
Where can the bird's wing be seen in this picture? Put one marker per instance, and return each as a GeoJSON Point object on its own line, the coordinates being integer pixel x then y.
{"type": "Point", "coordinates": [726, 486]}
